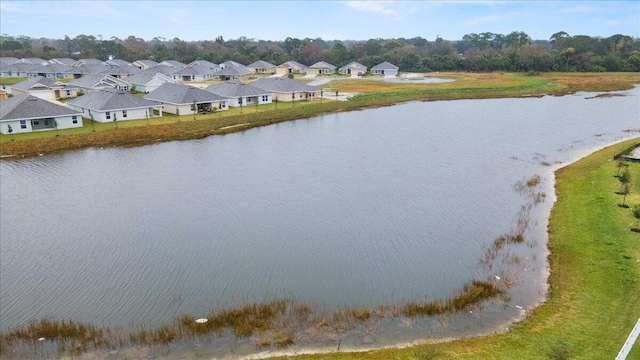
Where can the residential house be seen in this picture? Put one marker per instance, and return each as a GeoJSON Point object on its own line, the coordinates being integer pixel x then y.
{"type": "Point", "coordinates": [32, 61]}
{"type": "Point", "coordinates": [209, 64]}
{"type": "Point", "coordinates": [147, 82]}
{"type": "Point", "coordinates": [118, 62]}
{"type": "Point", "coordinates": [232, 72]}
{"type": "Point", "coordinates": [291, 67]}
{"type": "Point", "coordinates": [172, 63]}
{"type": "Point", "coordinates": [3, 95]}
{"type": "Point", "coordinates": [321, 68]}
{"type": "Point", "coordinates": [114, 105]}
{"type": "Point", "coordinates": [53, 70]}
{"type": "Point", "coordinates": [8, 60]}
{"type": "Point", "coordinates": [17, 70]}
{"type": "Point", "coordinates": [88, 62]}
{"type": "Point", "coordinates": [240, 94]}
{"type": "Point", "coordinates": [62, 61]}
{"type": "Point", "coordinates": [385, 68]}
{"type": "Point", "coordinates": [183, 99]}
{"type": "Point", "coordinates": [230, 63]}
{"type": "Point", "coordinates": [89, 83]}
{"type": "Point", "coordinates": [261, 67]}
{"type": "Point", "coordinates": [144, 64]}
{"type": "Point", "coordinates": [122, 72]}
{"type": "Point", "coordinates": [76, 72]}
{"type": "Point", "coordinates": [25, 113]}
{"type": "Point", "coordinates": [45, 88]}
{"type": "Point", "coordinates": [285, 89]}
{"type": "Point", "coordinates": [194, 72]}
{"type": "Point", "coordinates": [354, 69]}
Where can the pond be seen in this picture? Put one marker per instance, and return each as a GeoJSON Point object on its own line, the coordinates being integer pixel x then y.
{"type": "Point", "coordinates": [351, 209]}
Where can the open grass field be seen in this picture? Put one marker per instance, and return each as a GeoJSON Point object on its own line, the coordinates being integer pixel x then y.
{"type": "Point", "coordinates": [372, 93]}
{"type": "Point", "coordinates": [595, 278]}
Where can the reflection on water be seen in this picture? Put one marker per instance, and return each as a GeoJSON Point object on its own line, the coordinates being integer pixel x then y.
{"type": "Point", "coordinates": [357, 209]}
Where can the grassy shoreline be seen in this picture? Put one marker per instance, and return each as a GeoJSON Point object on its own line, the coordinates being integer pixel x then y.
{"type": "Point", "coordinates": [372, 94]}
{"type": "Point", "coordinates": [594, 284]}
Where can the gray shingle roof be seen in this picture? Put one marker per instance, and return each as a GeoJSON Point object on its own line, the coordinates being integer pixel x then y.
{"type": "Point", "coordinates": [87, 69]}
{"type": "Point", "coordinates": [235, 89]}
{"type": "Point", "coordinates": [231, 70]}
{"type": "Point", "coordinates": [106, 100]}
{"type": "Point", "coordinates": [232, 63]}
{"type": "Point", "coordinates": [173, 63]}
{"type": "Point", "coordinates": [182, 94]}
{"type": "Point", "coordinates": [122, 70]}
{"type": "Point", "coordinates": [147, 62]}
{"type": "Point", "coordinates": [37, 82]}
{"type": "Point", "coordinates": [206, 63]}
{"type": "Point", "coordinates": [62, 61]}
{"type": "Point", "coordinates": [118, 62]}
{"type": "Point", "coordinates": [195, 69]}
{"type": "Point", "coordinates": [34, 61]}
{"type": "Point", "coordinates": [25, 106]}
{"type": "Point", "coordinates": [145, 77]}
{"type": "Point", "coordinates": [294, 64]}
{"type": "Point", "coordinates": [8, 60]}
{"type": "Point", "coordinates": [352, 65]}
{"type": "Point", "coordinates": [261, 64]}
{"type": "Point", "coordinates": [19, 67]}
{"type": "Point", "coordinates": [91, 81]}
{"type": "Point", "coordinates": [52, 68]}
{"type": "Point", "coordinates": [82, 62]}
{"type": "Point", "coordinates": [283, 85]}
{"type": "Point", "coordinates": [322, 65]}
{"type": "Point", "coordinates": [163, 69]}
{"type": "Point", "coordinates": [385, 66]}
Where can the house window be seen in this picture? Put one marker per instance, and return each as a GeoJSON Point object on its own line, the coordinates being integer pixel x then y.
{"type": "Point", "coordinates": [36, 122]}
{"type": "Point", "coordinates": [68, 92]}
{"type": "Point", "coordinates": [124, 113]}
{"type": "Point", "coordinates": [23, 124]}
{"type": "Point", "coordinates": [265, 98]}
{"type": "Point", "coordinates": [108, 115]}
{"type": "Point", "coordinates": [300, 95]}
{"type": "Point", "coordinates": [74, 119]}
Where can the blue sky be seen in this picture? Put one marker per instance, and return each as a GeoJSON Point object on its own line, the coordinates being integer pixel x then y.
{"type": "Point", "coordinates": [341, 20]}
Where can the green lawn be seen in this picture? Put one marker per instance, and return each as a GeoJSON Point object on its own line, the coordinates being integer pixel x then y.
{"type": "Point", "coordinates": [595, 282]}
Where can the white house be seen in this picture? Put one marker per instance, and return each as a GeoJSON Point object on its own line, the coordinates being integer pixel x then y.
{"type": "Point", "coordinates": [285, 89]}
{"type": "Point", "coordinates": [261, 67]}
{"type": "Point", "coordinates": [89, 83]}
{"type": "Point", "coordinates": [18, 70]}
{"type": "Point", "coordinates": [194, 72]}
{"type": "Point", "coordinates": [291, 67]}
{"type": "Point", "coordinates": [240, 94]}
{"type": "Point", "coordinates": [144, 64]}
{"type": "Point", "coordinates": [114, 105]}
{"type": "Point", "coordinates": [232, 72]}
{"type": "Point", "coordinates": [385, 68]}
{"type": "Point", "coordinates": [54, 71]}
{"type": "Point", "coordinates": [25, 113]}
{"type": "Point", "coordinates": [354, 69]}
{"type": "Point", "coordinates": [147, 82]}
{"type": "Point", "coordinates": [321, 68]}
{"type": "Point", "coordinates": [45, 88]}
{"type": "Point", "coordinates": [183, 99]}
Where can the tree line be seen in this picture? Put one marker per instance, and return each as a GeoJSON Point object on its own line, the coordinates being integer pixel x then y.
{"type": "Point", "coordinates": [474, 52]}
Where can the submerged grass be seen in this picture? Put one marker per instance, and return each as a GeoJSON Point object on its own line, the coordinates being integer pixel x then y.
{"type": "Point", "coordinates": [594, 282]}
{"type": "Point", "coordinates": [275, 324]}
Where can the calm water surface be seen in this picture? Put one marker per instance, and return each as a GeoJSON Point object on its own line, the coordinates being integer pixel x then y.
{"type": "Point", "coordinates": [359, 208]}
